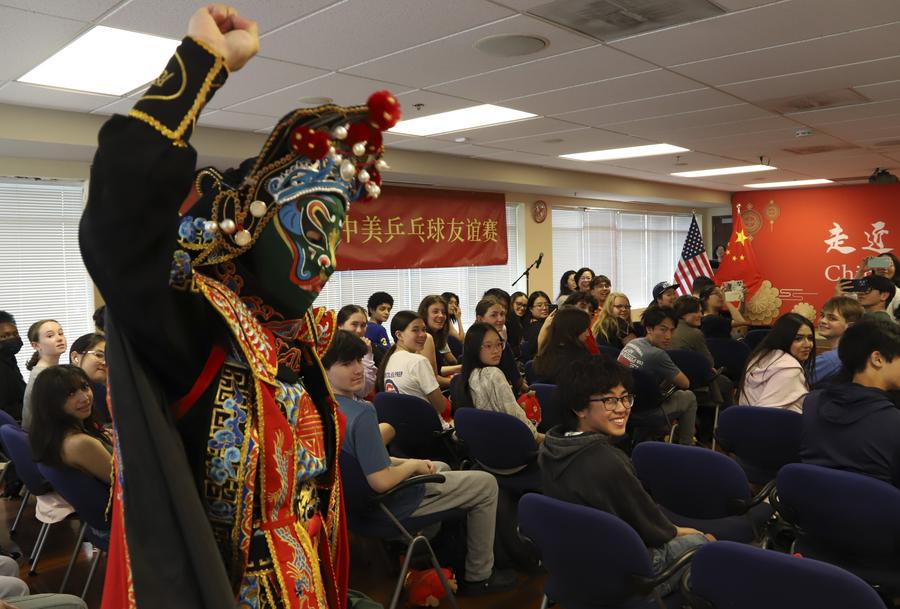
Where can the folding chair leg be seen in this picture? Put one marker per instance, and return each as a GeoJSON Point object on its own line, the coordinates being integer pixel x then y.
{"type": "Point", "coordinates": [434, 562]}
{"type": "Point", "coordinates": [37, 554]}
{"type": "Point", "coordinates": [440, 572]}
{"type": "Point", "coordinates": [12, 529]}
{"type": "Point", "coordinates": [399, 587]}
{"type": "Point", "coordinates": [97, 554]}
{"type": "Point", "coordinates": [715, 426]}
{"type": "Point", "coordinates": [37, 541]}
{"type": "Point", "coordinates": [65, 580]}
{"type": "Point", "coordinates": [545, 602]}
{"type": "Point", "coordinates": [672, 432]}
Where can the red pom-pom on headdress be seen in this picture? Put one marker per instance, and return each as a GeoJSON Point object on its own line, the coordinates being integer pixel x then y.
{"type": "Point", "coordinates": [310, 143]}
{"type": "Point", "coordinates": [361, 132]}
{"type": "Point", "coordinates": [384, 110]}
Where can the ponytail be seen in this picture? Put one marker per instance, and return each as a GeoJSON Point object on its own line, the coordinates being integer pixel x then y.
{"type": "Point", "coordinates": [399, 323]}
{"type": "Point", "coordinates": [379, 376]}
{"type": "Point", "coordinates": [32, 362]}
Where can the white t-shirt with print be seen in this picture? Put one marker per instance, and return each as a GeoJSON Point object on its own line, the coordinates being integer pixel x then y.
{"type": "Point", "coordinates": [409, 374]}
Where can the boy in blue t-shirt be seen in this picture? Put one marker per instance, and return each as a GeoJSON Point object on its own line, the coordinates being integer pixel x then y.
{"type": "Point", "coordinates": [473, 491]}
{"type": "Point", "coordinates": [379, 306]}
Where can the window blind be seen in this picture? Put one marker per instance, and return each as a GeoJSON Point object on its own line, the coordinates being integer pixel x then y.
{"type": "Point", "coordinates": [410, 286]}
{"type": "Point", "coordinates": [635, 250]}
{"type": "Point", "coordinates": [41, 272]}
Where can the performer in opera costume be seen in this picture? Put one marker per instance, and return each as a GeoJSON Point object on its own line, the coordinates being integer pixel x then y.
{"type": "Point", "coordinates": [227, 490]}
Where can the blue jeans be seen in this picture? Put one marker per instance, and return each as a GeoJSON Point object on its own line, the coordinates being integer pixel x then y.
{"type": "Point", "coordinates": [663, 556]}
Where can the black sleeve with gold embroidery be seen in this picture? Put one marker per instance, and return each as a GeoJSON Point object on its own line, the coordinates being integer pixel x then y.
{"type": "Point", "coordinates": [174, 100]}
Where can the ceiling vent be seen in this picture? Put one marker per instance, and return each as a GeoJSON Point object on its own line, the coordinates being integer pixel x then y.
{"type": "Point", "coordinates": [609, 20]}
{"type": "Point", "coordinates": [822, 149]}
{"type": "Point", "coordinates": [813, 101]}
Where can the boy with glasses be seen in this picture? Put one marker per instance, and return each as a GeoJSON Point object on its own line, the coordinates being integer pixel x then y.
{"type": "Point", "coordinates": [580, 464]}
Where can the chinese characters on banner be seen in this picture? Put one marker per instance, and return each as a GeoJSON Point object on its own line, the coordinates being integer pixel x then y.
{"type": "Point", "coordinates": [820, 236]}
{"type": "Point", "coordinates": [423, 228]}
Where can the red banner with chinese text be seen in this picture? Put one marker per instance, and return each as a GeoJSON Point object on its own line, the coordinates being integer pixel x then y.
{"type": "Point", "coordinates": [424, 228]}
{"type": "Point", "coordinates": [805, 240]}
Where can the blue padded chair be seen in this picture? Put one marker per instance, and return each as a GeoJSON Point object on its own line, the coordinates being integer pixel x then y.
{"type": "Point", "coordinates": [19, 450]}
{"type": "Point", "coordinates": [701, 376]}
{"type": "Point", "coordinates": [594, 559]}
{"type": "Point", "coordinates": [727, 575]}
{"type": "Point", "coordinates": [647, 415]}
{"type": "Point", "coordinates": [729, 354]}
{"type": "Point", "coordinates": [368, 516]}
{"type": "Point", "coordinates": [551, 410]}
{"type": "Point", "coordinates": [7, 419]}
{"type": "Point", "coordinates": [420, 434]}
{"type": "Point", "coordinates": [849, 520]}
{"type": "Point", "coordinates": [498, 441]}
{"type": "Point", "coordinates": [762, 439]}
{"type": "Point", "coordinates": [700, 488]}
{"type": "Point", "coordinates": [529, 371]}
{"type": "Point", "coordinates": [756, 336]}
{"type": "Point", "coordinates": [610, 351]}
{"type": "Point", "coordinates": [89, 497]}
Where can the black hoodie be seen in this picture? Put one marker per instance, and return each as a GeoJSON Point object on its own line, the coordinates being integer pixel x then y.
{"type": "Point", "coordinates": [853, 428]}
{"type": "Point", "coordinates": [586, 469]}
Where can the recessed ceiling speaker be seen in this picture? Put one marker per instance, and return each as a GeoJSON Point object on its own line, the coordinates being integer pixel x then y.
{"type": "Point", "coordinates": [511, 45]}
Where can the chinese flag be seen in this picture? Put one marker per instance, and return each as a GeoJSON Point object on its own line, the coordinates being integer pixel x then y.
{"type": "Point", "coordinates": [739, 261]}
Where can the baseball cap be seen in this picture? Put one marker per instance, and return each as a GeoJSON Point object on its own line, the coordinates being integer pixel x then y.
{"type": "Point", "coordinates": [661, 287]}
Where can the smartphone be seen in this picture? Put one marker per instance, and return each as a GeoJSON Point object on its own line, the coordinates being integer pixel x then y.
{"type": "Point", "coordinates": [553, 307]}
{"type": "Point", "coordinates": [855, 285]}
{"type": "Point", "coordinates": [878, 262]}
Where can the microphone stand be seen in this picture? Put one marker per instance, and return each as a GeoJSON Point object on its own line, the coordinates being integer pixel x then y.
{"type": "Point", "coordinates": [526, 273]}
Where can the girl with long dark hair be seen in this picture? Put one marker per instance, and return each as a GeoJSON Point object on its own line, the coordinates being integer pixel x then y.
{"type": "Point", "coordinates": [88, 352]}
{"type": "Point", "coordinates": [779, 369]}
{"type": "Point", "coordinates": [563, 345]}
{"type": "Point", "coordinates": [454, 318]}
{"type": "Point", "coordinates": [61, 434]}
{"type": "Point", "coordinates": [567, 285]}
{"type": "Point", "coordinates": [482, 383]}
{"type": "Point", "coordinates": [536, 311]}
{"type": "Point", "coordinates": [433, 310]}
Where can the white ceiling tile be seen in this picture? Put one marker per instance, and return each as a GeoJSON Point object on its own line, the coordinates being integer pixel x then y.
{"type": "Point", "coordinates": [580, 140]}
{"type": "Point", "coordinates": [225, 119]}
{"type": "Point", "coordinates": [758, 28]}
{"type": "Point", "coordinates": [739, 5]}
{"type": "Point", "coordinates": [741, 128]}
{"type": "Point", "coordinates": [667, 128]}
{"type": "Point", "coordinates": [670, 163]}
{"type": "Point", "coordinates": [343, 89]}
{"type": "Point", "coordinates": [169, 18]}
{"type": "Point", "coordinates": [615, 90]}
{"type": "Point", "coordinates": [881, 91]}
{"type": "Point", "coordinates": [30, 38]}
{"type": "Point", "coordinates": [520, 5]}
{"type": "Point", "coordinates": [261, 77]}
{"type": "Point", "coordinates": [518, 129]}
{"type": "Point", "coordinates": [565, 70]}
{"type": "Point", "coordinates": [21, 94]}
{"type": "Point", "coordinates": [456, 57]}
{"type": "Point", "coordinates": [666, 105]}
{"type": "Point", "coordinates": [355, 31]}
{"type": "Point", "coordinates": [815, 81]}
{"type": "Point", "coordinates": [848, 113]}
{"type": "Point", "coordinates": [425, 144]}
{"type": "Point", "coordinates": [432, 103]}
{"type": "Point", "coordinates": [83, 10]}
{"type": "Point", "coordinates": [852, 47]}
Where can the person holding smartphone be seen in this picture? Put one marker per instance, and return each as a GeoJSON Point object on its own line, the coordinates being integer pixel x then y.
{"type": "Point", "coordinates": [884, 265]}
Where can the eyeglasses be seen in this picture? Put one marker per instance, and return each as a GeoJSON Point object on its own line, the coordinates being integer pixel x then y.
{"type": "Point", "coordinates": [100, 355]}
{"type": "Point", "coordinates": [541, 305]}
{"type": "Point", "coordinates": [82, 387]}
{"type": "Point", "coordinates": [611, 403]}
{"type": "Point", "coordinates": [492, 346]}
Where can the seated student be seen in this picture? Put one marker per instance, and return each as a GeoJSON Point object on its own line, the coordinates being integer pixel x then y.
{"type": "Point", "coordinates": [720, 317]}
{"type": "Point", "coordinates": [353, 319]}
{"type": "Point", "coordinates": [587, 303]}
{"type": "Point", "coordinates": [404, 369]}
{"type": "Point", "coordinates": [688, 336]}
{"type": "Point", "coordinates": [482, 384]}
{"type": "Point", "coordinates": [62, 403]}
{"type": "Point", "coordinates": [454, 319]}
{"type": "Point", "coordinates": [433, 309]}
{"type": "Point", "coordinates": [513, 326]}
{"type": "Point", "coordinates": [537, 310]}
{"type": "Point", "coordinates": [491, 311]}
{"type": "Point", "coordinates": [601, 287]}
{"type": "Point", "coordinates": [379, 307]}
{"type": "Point", "coordinates": [664, 294]}
{"type": "Point", "coordinates": [838, 314]}
{"type": "Point", "coordinates": [778, 370]}
{"type": "Point", "coordinates": [88, 352]}
{"type": "Point", "coordinates": [567, 285]}
{"type": "Point", "coordinates": [519, 304]}
{"type": "Point", "coordinates": [49, 343]}
{"type": "Point", "coordinates": [648, 355]}
{"type": "Point", "coordinates": [875, 296]}
{"type": "Point", "coordinates": [12, 385]}
{"type": "Point", "coordinates": [15, 594]}
{"type": "Point", "coordinates": [853, 425]}
{"type": "Point", "coordinates": [563, 345]}
{"type": "Point", "coordinates": [473, 491]}
{"type": "Point", "coordinates": [613, 327]}
{"type": "Point", "coordinates": [701, 282]}
{"type": "Point", "coordinates": [580, 464]}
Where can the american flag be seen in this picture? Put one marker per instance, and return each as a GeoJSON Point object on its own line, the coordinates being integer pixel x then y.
{"type": "Point", "coordinates": [693, 262]}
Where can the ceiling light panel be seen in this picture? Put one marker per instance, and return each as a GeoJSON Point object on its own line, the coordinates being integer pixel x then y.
{"type": "Point", "coordinates": [723, 171]}
{"type": "Point", "coordinates": [105, 60]}
{"type": "Point", "coordinates": [789, 184]}
{"type": "Point", "coordinates": [625, 153]}
{"type": "Point", "coordinates": [460, 120]}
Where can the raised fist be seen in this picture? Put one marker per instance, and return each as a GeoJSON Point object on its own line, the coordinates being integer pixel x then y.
{"type": "Point", "coordinates": [232, 36]}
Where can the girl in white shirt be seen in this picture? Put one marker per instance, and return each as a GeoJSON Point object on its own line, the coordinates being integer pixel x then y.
{"type": "Point", "coordinates": [49, 344]}
{"type": "Point", "coordinates": [404, 369]}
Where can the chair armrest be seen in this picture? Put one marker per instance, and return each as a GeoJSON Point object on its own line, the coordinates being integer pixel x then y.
{"type": "Point", "coordinates": [411, 481]}
{"type": "Point", "coordinates": [645, 585]}
{"type": "Point", "coordinates": [737, 507]}
{"type": "Point", "coordinates": [444, 433]}
{"type": "Point", "coordinates": [763, 494]}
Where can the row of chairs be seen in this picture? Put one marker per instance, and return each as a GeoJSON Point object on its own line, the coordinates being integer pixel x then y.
{"type": "Point", "coordinates": [87, 495]}
{"type": "Point", "coordinates": [609, 568]}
